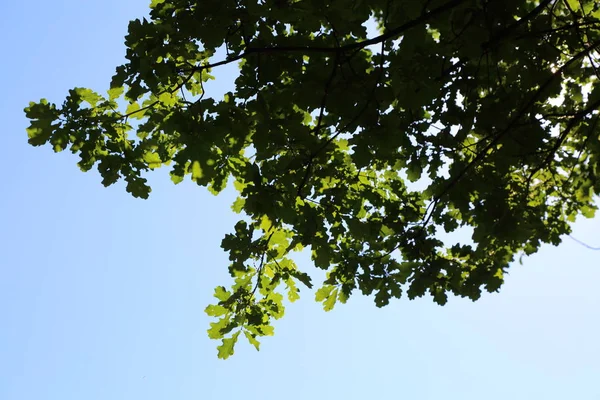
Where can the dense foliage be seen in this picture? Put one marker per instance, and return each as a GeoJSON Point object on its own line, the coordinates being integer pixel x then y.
{"type": "Point", "coordinates": [364, 130]}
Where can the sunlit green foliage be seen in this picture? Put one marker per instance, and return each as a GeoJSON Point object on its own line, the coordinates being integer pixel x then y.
{"type": "Point", "coordinates": [364, 147]}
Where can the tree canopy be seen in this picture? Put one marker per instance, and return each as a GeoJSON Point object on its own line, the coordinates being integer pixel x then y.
{"type": "Point", "coordinates": [368, 132]}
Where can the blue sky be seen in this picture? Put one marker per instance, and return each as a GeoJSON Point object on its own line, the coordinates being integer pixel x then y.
{"type": "Point", "coordinates": [102, 295]}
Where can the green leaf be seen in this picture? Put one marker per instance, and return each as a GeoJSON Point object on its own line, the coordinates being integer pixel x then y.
{"type": "Point", "coordinates": [252, 339]}
{"type": "Point", "coordinates": [153, 160]}
{"type": "Point", "coordinates": [133, 110]}
{"type": "Point", "coordinates": [588, 212]}
{"type": "Point", "coordinates": [574, 4]}
{"type": "Point", "coordinates": [216, 328]}
{"type": "Point", "coordinates": [238, 205]}
{"type": "Point", "coordinates": [328, 295]}
{"type": "Point", "coordinates": [227, 345]}
{"type": "Point", "coordinates": [167, 99]}
{"type": "Point", "coordinates": [266, 330]}
{"type": "Point", "coordinates": [303, 277]}
{"type": "Point", "coordinates": [414, 171]}
{"type": "Point", "coordinates": [293, 295]}
{"type": "Point", "coordinates": [323, 293]}
{"type": "Point", "coordinates": [197, 172]}
{"type": "Point", "coordinates": [137, 186]}
{"type": "Point", "coordinates": [215, 310]}
{"type": "Point", "coordinates": [176, 178]}
{"type": "Point", "coordinates": [115, 93]}
{"type": "Point", "coordinates": [221, 293]}
{"type": "Point", "coordinates": [329, 303]}
{"type": "Point", "coordinates": [89, 96]}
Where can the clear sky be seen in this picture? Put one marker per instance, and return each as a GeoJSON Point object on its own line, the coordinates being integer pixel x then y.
{"type": "Point", "coordinates": [102, 295]}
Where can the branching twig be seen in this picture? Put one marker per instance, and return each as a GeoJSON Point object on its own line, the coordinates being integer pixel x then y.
{"type": "Point", "coordinates": [560, 140]}
{"type": "Point", "coordinates": [583, 244]}
{"type": "Point", "coordinates": [260, 268]}
{"type": "Point", "coordinates": [506, 31]}
{"type": "Point", "coordinates": [484, 152]}
{"type": "Point", "coordinates": [393, 33]}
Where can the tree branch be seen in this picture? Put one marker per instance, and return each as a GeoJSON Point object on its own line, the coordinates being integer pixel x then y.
{"type": "Point", "coordinates": [393, 33]}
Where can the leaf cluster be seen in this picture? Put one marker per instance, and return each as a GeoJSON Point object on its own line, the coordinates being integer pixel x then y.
{"type": "Point", "coordinates": [367, 149]}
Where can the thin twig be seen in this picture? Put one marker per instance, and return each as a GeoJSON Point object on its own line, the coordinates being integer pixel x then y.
{"type": "Point", "coordinates": [583, 244]}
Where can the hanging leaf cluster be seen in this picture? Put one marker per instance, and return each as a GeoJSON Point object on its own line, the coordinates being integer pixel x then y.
{"type": "Point", "coordinates": [364, 131]}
